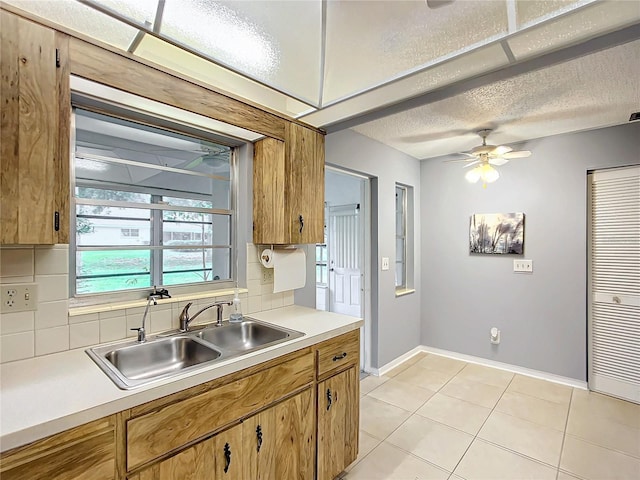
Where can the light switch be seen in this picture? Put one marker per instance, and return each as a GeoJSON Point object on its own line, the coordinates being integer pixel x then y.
{"type": "Point", "coordinates": [385, 263]}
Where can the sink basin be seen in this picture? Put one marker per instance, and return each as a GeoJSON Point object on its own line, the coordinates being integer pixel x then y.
{"type": "Point", "coordinates": [135, 363]}
{"type": "Point", "coordinates": [245, 336]}
{"type": "Point", "coordinates": [132, 364]}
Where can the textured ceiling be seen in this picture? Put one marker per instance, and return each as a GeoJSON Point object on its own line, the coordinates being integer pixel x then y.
{"type": "Point", "coordinates": [335, 63]}
{"type": "Point", "coordinates": [593, 91]}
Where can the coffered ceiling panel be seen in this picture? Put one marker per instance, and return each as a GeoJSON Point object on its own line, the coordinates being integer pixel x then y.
{"type": "Point", "coordinates": [370, 42]}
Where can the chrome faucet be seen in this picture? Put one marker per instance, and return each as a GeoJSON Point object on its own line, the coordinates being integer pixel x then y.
{"type": "Point", "coordinates": [185, 319]}
{"type": "Point", "coordinates": [142, 335]}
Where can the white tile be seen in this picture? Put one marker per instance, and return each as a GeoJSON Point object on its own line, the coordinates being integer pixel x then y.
{"type": "Point", "coordinates": [486, 375]}
{"type": "Point", "coordinates": [527, 438]}
{"type": "Point", "coordinates": [16, 346]}
{"type": "Point", "coordinates": [52, 287]}
{"type": "Point", "coordinates": [160, 321]}
{"type": "Point", "coordinates": [252, 253]}
{"type": "Point", "coordinates": [16, 322]}
{"type": "Point", "coordinates": [537, 410]}
{"type": "Point", "coordinates": [366, 443]}
{"type": "Point", "coordinates": [474, 392]}
{"type": "Point", "coordinates": [114, 328]}
{"type": "Point", "coordinates": [387, 462]}
{"type": "Point", "coordinates": [266, 288]}
{"type": "Point", "coordinates": [616, 410]}
{"type": "Point", "coordinates": [254, 304]}
{"type": "Point", "coordinates": [371, 382]}
{"type": "Point", "coordinates": [21, 279]}
{"type": "Point", "coordinates": [52, 314]}
{"type": "Point", "coordinates": [254, 287]}
{"type": "Point", "coordinates": [254, 271]}
{"type": "Point", "coordinates": [378, 418]}
{"type": "Point", "coordinates": [593, 462]}
{"type": "Point", "coordinates": [288, 298]}
{"type": "Point", "coordinates": [454, 412]}
{"type": "Point", "coordinates": [51, 340]}
{"type": "Point", "coordinates": [436, 443]}
{"type": "Point", "coordinates": [265, 302]}
{"type": "Point", "coordinates": [16, 262]}
{"type": "Point", "coordinates": [425, 378]}
{"type": "Point", "coordinates": [277, 300]}
{"type": "Point", "coordinates": [84, 334]}
{"type": "Point", "coordinates": [442, 364]}
{"type": "Point", "coordinates": [484, 461]}
{"type": "Point", "coordinates": [87, 317]}
{"type": "Point", "coordinates": [112, 313]}
{"type": "Point", "coordinates": [553, 392]}
{"type": "Point", "coordinates": [405, 396]}
{"type": "Point", "coordinates": [600, 430]}
{"type": "Point", "coordinates": [51, 261]}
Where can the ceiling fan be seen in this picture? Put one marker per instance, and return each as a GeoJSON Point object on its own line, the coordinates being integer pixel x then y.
{"type": "Point", "coordinates": [211, 156]}
{"type": "Point", "coordinates": [485, 157]}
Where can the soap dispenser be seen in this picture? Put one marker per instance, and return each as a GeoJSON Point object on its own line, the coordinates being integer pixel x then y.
{"type": "Point", "coordinates": [236, 309]}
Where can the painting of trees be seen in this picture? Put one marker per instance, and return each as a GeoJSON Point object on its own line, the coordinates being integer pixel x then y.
{"type": "Point", "coordinates": [497, 233]}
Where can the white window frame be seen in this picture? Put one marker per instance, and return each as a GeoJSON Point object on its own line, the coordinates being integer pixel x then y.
{"type": "Point", "coordinates": [131, 294]}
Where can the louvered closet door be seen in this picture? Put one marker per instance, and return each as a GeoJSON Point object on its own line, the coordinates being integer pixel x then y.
{"type": "Point", "coordinates": [614, 300]}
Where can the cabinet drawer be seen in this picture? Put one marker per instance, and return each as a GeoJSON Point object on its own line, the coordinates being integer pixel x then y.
{"type": "Point", "coordinates": [339, 352]}
{"type": "Point", "coordinates": [175, 425]}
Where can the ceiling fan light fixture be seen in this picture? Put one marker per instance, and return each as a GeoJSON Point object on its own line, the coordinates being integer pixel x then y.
{"type": "Point", "coordinates": [488, 173]}
{"type": "Point", "coordinates": [473, 175]}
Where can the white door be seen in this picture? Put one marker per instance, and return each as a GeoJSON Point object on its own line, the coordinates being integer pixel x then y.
{"type": "Point", "coordinates": [345, 274]}
{"type": "Point", "coordinates": [614, 282]}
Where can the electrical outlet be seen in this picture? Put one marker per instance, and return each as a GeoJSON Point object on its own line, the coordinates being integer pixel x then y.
{"type": "Point", "coordinates": [267, 275]}
{"type": "Point", "coordinates": [523, 266]}
{"type": "Point", "coordinates": [19, 297]}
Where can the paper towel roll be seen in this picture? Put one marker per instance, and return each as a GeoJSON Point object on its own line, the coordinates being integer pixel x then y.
{"type": "Point", "coordinates": [289, 269]}
{"type": "Point", "coordinates": [266, 258]}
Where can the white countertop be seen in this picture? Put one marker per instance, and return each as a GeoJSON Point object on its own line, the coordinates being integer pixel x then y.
{"type": "Point", "coordinates": [49, 394]}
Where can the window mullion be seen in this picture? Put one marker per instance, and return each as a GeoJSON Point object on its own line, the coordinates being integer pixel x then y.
{"type": "Point", "coordinates": [156, 240]}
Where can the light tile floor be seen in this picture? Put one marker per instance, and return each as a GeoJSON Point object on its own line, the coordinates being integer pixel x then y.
{"type": "Point", "coordinates": [438, 418]}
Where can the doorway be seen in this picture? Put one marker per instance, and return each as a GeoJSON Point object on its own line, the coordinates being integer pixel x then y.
{"type": "Point", "coordinates": [341, 269]}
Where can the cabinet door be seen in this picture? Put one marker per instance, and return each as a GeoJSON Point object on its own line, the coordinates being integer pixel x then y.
{"type": "Point", "coordinates": [279, 442]}
{"type": "Point", "coordinates": [305, 159]}
{"type": "Point", "coordinates": [218, 458]}
{"type": "Point", "coordinates": [338, 419]}
{"type": "Point", "coordinates": [34, 133]}
{"type": "Point", "coordinates": [269, 183]}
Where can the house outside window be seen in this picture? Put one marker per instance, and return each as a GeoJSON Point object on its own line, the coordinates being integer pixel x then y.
{"type": "Point", "coordinates": [401, 237]}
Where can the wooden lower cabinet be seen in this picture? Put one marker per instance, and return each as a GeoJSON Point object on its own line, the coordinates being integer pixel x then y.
{"type": "Point", "coordinates": [83, 453]}
{"type": "Point", "coordinates": [275, 444]}
{"type": "Point", "coordinates": [338, 420]}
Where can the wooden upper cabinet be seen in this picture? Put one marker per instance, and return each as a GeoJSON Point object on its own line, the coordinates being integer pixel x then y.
{"type": "Point", "coordinates": [288, 188]}
{"type": "Point", "coordinates": [34, 133]}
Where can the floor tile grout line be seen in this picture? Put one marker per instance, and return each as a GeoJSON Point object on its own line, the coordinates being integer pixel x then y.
{"type": "Point", "coordinates": [483, 423]}
{"type": "Point", "coordinates": [564, 434]}
{"type": "Point", "coordinates": [540, 398]}
{"type": "Point", "coordinates": [592, 442]}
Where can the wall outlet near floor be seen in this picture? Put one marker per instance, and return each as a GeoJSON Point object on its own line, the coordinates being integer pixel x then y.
{"type": "Point", "coordinates": [267, 275]}
{"type": "Point", "coordinates": [19, 297]}
{"type": "Point", "coordinates": [523, 266]}
{"type": "Point", "coordinates": [495, 335]}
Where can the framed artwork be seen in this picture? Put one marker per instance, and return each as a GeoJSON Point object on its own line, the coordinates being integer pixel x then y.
{"type": "Point", "coordinates": [496, 233]}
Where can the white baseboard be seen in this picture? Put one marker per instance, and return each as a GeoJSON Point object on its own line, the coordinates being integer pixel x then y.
{"type": "Point", "coordinates": [529, 372]}
{"type": "Point", "coordinates": [394, 363]}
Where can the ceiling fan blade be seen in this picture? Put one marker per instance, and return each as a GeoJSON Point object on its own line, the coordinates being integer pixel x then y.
{"type": "Point", "coordinates": [497, 161]}
{"type": "Point", "coordinates": [194, 163]}
{"type": "Point", "coordinates": [471, 164]}
{"type": "Point", "coordinates": [501, 150]}
{"type": "Point", "coordinates": [518, 154]}
{"type": "Point", "coordinates": [469, 158]}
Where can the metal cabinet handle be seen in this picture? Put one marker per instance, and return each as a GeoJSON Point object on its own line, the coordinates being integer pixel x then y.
{"type": "Point", "coordinates": [301, 223]}
{"type": "Point", "coordinates": [259, 436]}
{"type": "Point", "coordinates": [329, 399]}
{"type": "Point", "coordinates": [227, 457]}
{"type": "Point", "coordinates": [340, 357]}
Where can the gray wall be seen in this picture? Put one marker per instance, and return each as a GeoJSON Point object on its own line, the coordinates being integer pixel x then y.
{"type": "Point", "coordinates": [542, 316]}
{"type": "Point", "coordinates": [341, 189]}
{"type": "Point", "coordinates": [396, 321]}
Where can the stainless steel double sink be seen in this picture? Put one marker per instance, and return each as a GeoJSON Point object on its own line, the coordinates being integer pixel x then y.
{"type": "Point", "coordinates": [131, 364]}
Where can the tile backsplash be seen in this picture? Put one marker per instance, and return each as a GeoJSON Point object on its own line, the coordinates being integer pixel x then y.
{"type": "Point", "coordinates": [52, 328]}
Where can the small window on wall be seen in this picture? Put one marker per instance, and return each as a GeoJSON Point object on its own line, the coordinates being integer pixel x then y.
{"type": "Point", "coordinates": [149, 207]}
{"type": "Point", "coordinates": [404, 239]}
